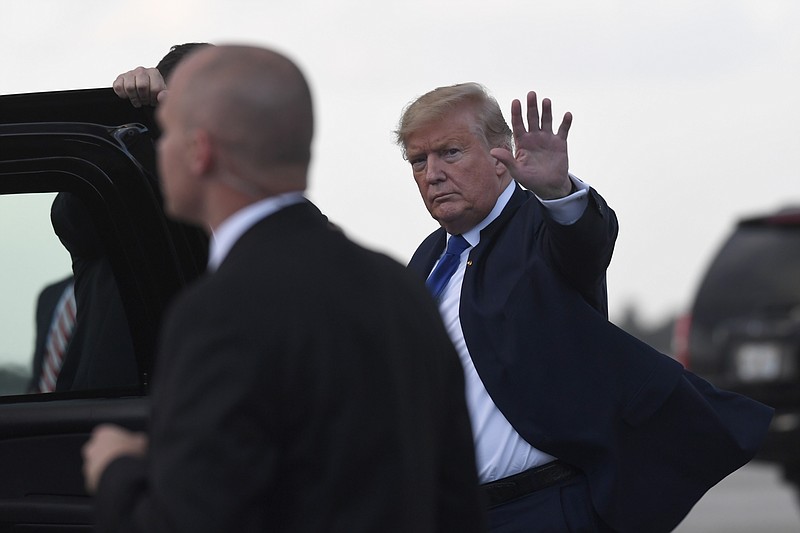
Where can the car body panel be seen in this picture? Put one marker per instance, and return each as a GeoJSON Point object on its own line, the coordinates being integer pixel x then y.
{"type": "Point", "coordinates": [744, 332]}
{"type": "Point", "coordinates": [94, 145]}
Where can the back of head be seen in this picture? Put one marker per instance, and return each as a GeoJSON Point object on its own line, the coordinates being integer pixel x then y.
{"type": "Point", "coordinates": [436, 104]}
{"type": "Point", "coordinates": [174, 56]}
{"type": "Point", "coordinates": [255, 102]}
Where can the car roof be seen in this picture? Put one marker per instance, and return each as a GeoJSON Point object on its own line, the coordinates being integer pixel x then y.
{"type": "Point", "coordinates": [96, 106]}
{"type": "Point", "coordinates": [787, 216]}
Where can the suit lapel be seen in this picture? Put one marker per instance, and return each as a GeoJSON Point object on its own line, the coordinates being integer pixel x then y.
{"type": "Point", "coordinates": [428, 252]}
{"type": "Point", "coordinates": [432, 247]}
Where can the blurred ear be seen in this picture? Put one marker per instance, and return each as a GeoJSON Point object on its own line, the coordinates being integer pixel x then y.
{"type": "Point", "coordinates": [201, 156]}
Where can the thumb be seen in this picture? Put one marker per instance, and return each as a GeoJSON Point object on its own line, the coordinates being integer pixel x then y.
{"type": "Point", "coordinates": [161, 96]}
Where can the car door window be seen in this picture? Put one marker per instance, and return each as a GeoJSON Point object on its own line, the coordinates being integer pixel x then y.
{"type": "Point", "coordinates": [91, 156]}
{"type": "Point", "coordinates": [64, 326]}
{"type": "Point", "coordinates": [33, 257]}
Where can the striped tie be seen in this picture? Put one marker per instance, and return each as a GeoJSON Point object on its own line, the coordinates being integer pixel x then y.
{"type": "Point", "coordinates": [447, 266]}
{"type": "Point", "coordinates": [58, 339]}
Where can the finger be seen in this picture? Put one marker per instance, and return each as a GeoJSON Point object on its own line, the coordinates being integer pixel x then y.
{"type": "Point", "coordinates": [517, 125]}
{"type": "Point", "coordinates": [547, 115]}
{"type": "Point", "coordinates": [119, 86]}
{"type": "Point", "coordinates": [155, 85]}
{"type": "Point", "coordinates": [125, 85]}
{"type": "Point", "coordinates": [162, 95]}
{"type": "Point", "coordinates": [141, 88]}
{"type": "Point", "coordinates": [563, 129]}
{"type": "Point", "coordinates": [533, 112]}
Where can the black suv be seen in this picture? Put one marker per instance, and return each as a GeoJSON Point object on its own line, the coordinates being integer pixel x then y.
{"type": "Point", "coordinates": [97, 151]}
{"type": "Point", "coordinates": [743, 332]}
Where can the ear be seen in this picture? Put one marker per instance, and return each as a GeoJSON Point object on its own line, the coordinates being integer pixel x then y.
{"type": "Point", "coordinates": [201, 153]}
{"type": "Point", "coordinates": [500, 168]}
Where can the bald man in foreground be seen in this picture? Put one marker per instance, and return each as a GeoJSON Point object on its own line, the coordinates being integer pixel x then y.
{"type": "Point", "coordinates": [304, 384]}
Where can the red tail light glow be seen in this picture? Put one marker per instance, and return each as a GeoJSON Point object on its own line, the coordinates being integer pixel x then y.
{"type": "Point", "coordinates": [680, 339]}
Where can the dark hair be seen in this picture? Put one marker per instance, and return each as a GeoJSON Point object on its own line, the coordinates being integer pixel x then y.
{"type": "Point", "coordinates": [175, 55]}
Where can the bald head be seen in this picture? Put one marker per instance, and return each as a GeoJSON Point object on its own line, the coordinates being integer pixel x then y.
{"type": "Point", "coordinates": [255, 103]}
{"type": "Point", "coordinates": [238, 126]}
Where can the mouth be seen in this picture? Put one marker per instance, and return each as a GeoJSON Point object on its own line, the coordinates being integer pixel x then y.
{"type": "Point", "coordinates": [442, 197]}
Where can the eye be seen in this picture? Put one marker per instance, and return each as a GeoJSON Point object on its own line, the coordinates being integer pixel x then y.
{"type": "Point", "coordinates": [417, 163]}
{"type": "Point", "coordinates": [450, 153]}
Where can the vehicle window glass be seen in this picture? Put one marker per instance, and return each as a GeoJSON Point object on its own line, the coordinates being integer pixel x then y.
{"type": "Point", "coordinates": [63, 325]}
{"type": "Point", "coordinates": [756, 271]}
{"type": "Point", "coordinates": [32, 258]}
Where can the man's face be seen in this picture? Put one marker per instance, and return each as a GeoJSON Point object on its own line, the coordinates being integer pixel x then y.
{"type": "Point", "coordinates": [458, 178]}
{"type": "Point", "coordinates": [175, 147]}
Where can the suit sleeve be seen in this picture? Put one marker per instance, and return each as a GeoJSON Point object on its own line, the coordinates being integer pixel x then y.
{"type": "Point", "coordinates": [581, 252]}
{"type": "Point", "coordinates": [121, 486]}
{"type": "Point", "coordinates": [207, 434]}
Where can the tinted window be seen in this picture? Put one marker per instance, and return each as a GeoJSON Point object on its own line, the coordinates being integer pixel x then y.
{"type": "Point", "coordinates": [755, 272]}
{"type": "Point", "coordinates": [33, 257]}
{"type": "Point", "coordinates": [64, 327]}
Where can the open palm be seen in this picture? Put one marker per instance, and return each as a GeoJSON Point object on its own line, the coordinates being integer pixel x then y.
{"type": "Point", "coordinates": [540, 162]}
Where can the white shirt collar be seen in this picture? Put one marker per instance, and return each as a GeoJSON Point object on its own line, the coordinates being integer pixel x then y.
{"type": "Point", "coordinates": [233, 227]}
{"type": "Point", "coordinates": [473, 236]}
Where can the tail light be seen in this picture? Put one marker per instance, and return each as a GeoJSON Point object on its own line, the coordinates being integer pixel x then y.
{"type": "Point", "coordinates": [680, 339]}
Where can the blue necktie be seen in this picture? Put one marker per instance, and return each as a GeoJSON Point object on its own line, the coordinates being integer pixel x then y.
{"type": "Point", "coordinates": [447, 266]}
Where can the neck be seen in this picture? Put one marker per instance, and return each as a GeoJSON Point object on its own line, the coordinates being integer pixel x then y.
{"type": "Point", "coordinates": [229, 192]}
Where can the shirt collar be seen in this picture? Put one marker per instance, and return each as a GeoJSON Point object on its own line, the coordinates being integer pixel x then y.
{"type": "Point", "coordinates": [233, 227]}
{"type": "Point", "coordinates": [473, 236]}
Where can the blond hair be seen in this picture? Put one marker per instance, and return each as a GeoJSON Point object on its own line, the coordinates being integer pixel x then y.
{"type": "Point", "coordinates": [434, 105]}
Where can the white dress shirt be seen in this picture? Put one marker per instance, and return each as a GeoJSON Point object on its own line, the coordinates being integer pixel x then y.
{"type": "Point", "coordinates": [233, 227]}
{"type": "Point", "coordinates": [499, 450]}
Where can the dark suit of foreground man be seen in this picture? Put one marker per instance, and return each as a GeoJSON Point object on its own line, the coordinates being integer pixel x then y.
{"type": "Point", "coordinates": [578, 426]}
{"type": "Point", "coordinates": [305, 384]}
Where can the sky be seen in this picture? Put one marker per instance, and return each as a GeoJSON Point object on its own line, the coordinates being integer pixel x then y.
{"type": "Point", "coordinates": [685, 112]}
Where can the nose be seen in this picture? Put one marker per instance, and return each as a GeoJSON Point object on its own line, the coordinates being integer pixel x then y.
{"type": "Point", "coordinates": [434, 170]}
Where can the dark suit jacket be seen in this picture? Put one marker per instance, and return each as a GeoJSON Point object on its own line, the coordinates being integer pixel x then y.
{"type": "Point", "coordinates": [651, 437]}
{"type": "Point", "coordinates": [308, 385]}
{"type": "Point", "coordinates": [100, 354]}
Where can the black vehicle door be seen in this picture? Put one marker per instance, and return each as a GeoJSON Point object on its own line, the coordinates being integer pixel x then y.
{"type": "Point", "coordinates": [79, 204]}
